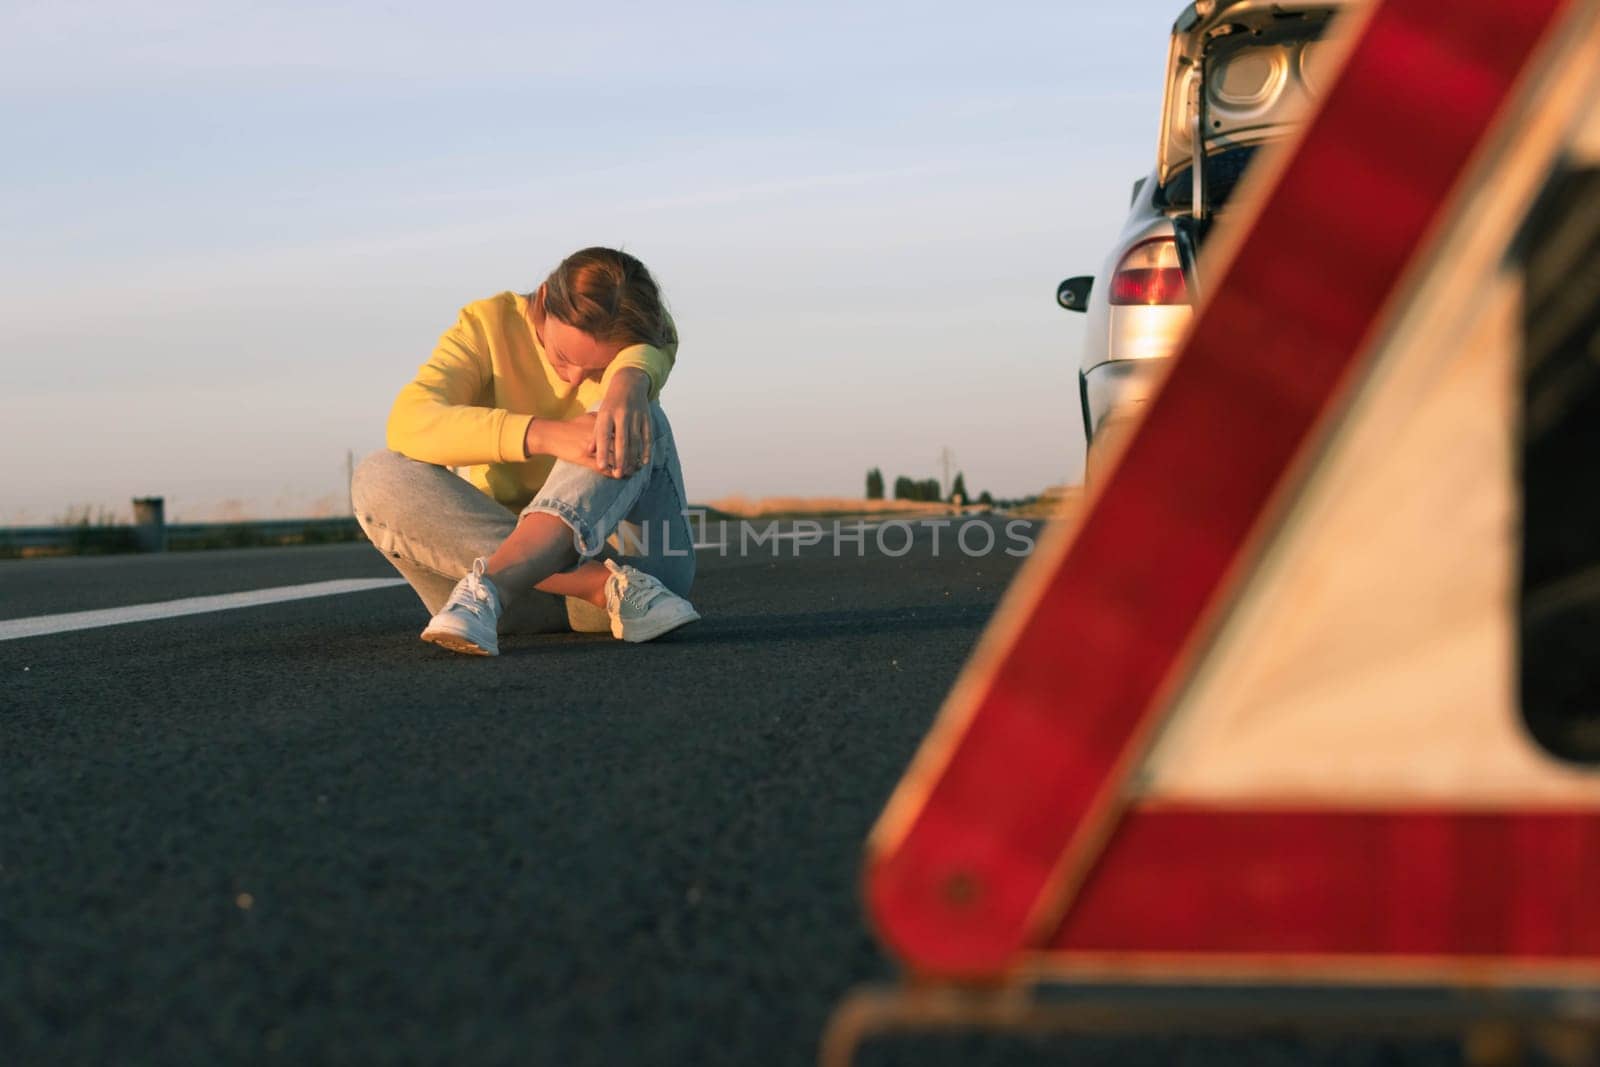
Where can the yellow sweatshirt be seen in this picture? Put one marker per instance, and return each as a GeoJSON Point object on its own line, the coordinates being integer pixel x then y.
{"type": "Point", "coordinates": [470, 404]}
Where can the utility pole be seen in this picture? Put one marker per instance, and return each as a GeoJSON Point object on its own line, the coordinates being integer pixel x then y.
{"type": "Point", "coordinates": [350, 479]}
{"type": "Point", "coordinates": [946, 458]}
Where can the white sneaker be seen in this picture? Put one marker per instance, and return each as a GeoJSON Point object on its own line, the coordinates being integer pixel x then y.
{"type": "Point", "coordinates": [467, 621]}
{"type": "Point", "coordinates": [641, 608]}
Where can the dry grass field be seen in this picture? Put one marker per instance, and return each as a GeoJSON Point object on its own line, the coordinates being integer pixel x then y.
{"type": "Point", "coordinates": [1055, 502]}
{"type": "Point", "coordinates": [740, 507]}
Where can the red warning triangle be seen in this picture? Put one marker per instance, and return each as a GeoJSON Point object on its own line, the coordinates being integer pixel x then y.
{"type": "Point", "coordinates": [1258, 712]}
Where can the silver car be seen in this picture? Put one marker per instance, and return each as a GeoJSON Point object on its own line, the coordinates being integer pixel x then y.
{"type": "Point", "coordinates": [1239, 75]}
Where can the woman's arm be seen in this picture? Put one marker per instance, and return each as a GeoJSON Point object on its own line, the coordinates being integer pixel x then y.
{"type": "Point", "coordinates": [437, 417]}
{"type": "Point", "coordinates": [568, 439]}
{"type": "Point", "coordinates": [622, 436]}
{"type": "Point", "coordinates": [623, 428]}
{"type": "Point", "coordinates": [624, 411]}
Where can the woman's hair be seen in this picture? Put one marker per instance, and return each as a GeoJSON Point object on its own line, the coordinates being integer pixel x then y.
{"type": "Point", "coordinates": [607, 294]}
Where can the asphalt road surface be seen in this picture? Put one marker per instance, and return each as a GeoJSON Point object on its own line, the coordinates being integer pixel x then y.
{"type": "Point", "coordinates": [293, 833]}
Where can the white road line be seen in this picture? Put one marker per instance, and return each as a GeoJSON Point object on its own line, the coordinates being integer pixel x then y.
{"type": "Point", "coordinates": [44, 625]}
{"type": "Point", "coordinates": [41, 625]}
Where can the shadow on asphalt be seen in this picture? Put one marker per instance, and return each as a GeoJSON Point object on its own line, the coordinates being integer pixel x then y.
{"type": "Point", "coordinates": [823, 624]}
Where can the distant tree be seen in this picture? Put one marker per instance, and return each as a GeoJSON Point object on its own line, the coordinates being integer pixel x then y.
{"type": "Point", "coordinates": [874, 484]}
{"type": "Point", "coordinates": [985, 499]}
{"type": "Point", "coordinates": [925, 489]}
{"type": "Point", "coordinates": [958, 489]}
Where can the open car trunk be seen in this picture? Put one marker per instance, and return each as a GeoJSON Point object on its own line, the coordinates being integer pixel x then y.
{"type": "Point", "coordinates": [1240, 74]}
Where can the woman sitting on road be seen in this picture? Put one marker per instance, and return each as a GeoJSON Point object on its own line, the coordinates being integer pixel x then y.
{"type": "Point", "coordinates": [551, 400]}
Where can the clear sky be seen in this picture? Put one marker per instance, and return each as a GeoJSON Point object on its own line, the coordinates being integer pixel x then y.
{"type": "Point", "coordinates": [231, 232]}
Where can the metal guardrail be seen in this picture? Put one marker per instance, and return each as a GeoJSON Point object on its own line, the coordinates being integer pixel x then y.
{"type": "Point", "coordinates": [130, 538]}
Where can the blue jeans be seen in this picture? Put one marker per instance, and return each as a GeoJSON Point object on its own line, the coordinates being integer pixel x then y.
{"type": "Point", "coordinates": [432, 524]}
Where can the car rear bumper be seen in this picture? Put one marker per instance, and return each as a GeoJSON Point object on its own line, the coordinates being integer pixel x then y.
{"type": "Point", "coordinates": [1118, 388]}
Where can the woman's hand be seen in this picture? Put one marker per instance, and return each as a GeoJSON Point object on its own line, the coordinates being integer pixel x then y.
{"type": "Point", "coordinates": [623, 427]}
{"type": "Point", "coordinates": [569, 439]}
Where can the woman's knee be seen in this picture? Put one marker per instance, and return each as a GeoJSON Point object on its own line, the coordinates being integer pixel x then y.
{"type": "Point", "coordinates": [660, 426]}
{"type": "Point", "coordinates": [375, 480]}
{"type": "Point", "coordinates": [384, 482]}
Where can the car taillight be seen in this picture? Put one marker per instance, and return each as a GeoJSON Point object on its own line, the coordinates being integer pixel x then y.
{"type": "Point", "coordinates": [1150, 274]}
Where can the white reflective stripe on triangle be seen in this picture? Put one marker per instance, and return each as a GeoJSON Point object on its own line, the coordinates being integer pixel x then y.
{"type": "Point", "coordinates": [1369, 657]}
